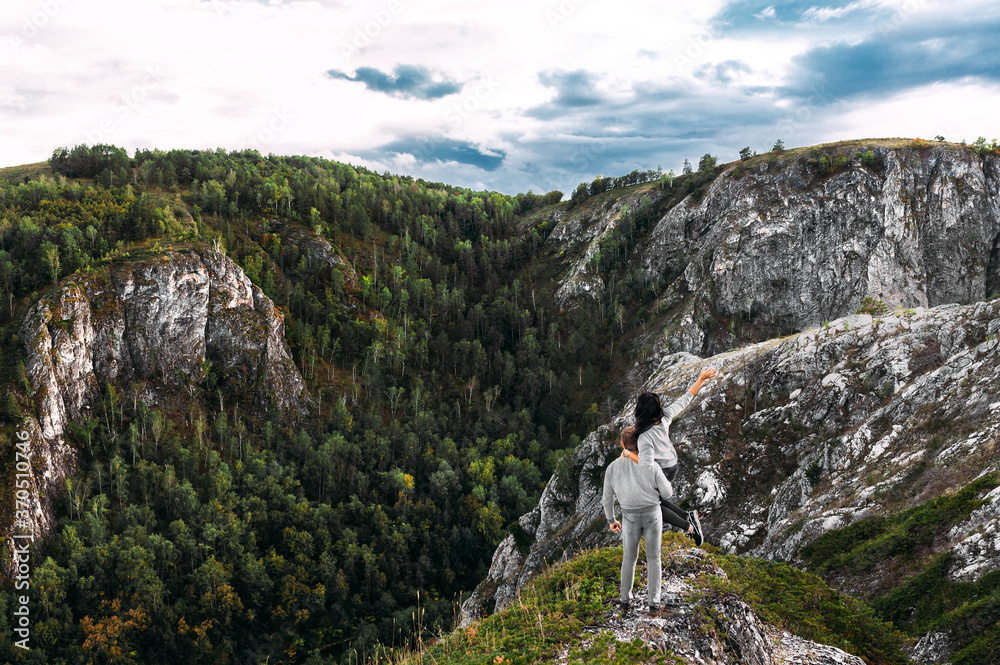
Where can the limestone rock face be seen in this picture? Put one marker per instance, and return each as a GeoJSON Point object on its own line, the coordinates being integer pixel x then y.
{"type": "Point", "coordinates": [801, 435]}
{"type": "Point", "coordinates": [932, 648]}
{"type": "Point", "coordinates": [155, 322]}
{"type": "Point", "coordinates": [778, 246]}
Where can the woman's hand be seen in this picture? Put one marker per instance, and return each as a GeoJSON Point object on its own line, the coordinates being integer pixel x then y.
{"type": "Point", "coordinates": [706, 373]}
{"type": "Point", "coordinates": [626, 433]}
{"type": "Point", "coordinates": [616, 526]}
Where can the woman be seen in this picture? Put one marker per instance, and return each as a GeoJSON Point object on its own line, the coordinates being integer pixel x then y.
{"type": "Point", "coordinates": [651, 434]}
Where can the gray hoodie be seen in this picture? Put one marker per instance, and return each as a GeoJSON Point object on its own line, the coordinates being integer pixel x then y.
{"type": "Point", "coordinates": [636, 487]}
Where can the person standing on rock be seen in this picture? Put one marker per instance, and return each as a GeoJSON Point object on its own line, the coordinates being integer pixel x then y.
{"type": "Point", "coordinates": [651, 434]}
{"type": "Point", "coordinates": [639, 491]}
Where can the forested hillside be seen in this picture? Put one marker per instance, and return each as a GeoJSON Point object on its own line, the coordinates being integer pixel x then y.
{"type": "Point", "coordinates": [284, 409]}
{"type": "Point", "coordinates": [442, 389]}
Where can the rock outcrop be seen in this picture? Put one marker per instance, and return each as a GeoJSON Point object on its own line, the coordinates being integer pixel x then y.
{"type": "Point", "coordinates": [800, 435]}
{"type": "Point", "coordinates": [679, 628]}
{"type": "Point", "coordinates": [151, 325]}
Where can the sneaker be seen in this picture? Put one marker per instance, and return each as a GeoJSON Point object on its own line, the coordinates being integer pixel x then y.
{"type": "Point", "coordinates": [699, 538]}
{"type": "Point", "coordinates": [654, 608]}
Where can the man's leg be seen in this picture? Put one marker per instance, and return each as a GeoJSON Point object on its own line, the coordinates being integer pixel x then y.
{"type": "Point", "coordinates": [630, 544]}
{"type": "Point", "coordinates": [653, 531]}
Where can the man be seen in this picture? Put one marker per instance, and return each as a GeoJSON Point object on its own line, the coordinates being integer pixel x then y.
{"type": "Point", "coordinates": [638, 490]}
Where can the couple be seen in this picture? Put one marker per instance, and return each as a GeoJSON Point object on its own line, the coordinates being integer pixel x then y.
{"type": "Point", "coordinates": [640, 480]}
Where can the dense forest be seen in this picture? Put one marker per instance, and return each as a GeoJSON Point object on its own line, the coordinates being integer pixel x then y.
{"type": "Point", "coordinates": [445, 385]}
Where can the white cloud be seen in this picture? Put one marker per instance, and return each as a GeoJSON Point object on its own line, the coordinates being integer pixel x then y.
{"type": "Point", "coordinates": [234, 73]}
{"type": "Point", "coordinates": [925, 112]}
{"type": "Point", "coordinates": [820, 14]}
{"type": "Point", "coordinates": [11, 98]}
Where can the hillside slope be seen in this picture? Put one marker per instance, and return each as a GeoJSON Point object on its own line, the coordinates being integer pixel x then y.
{"type": "Point", "coordinates": [154, 326]}
{"type": "Point", "coordinates": [257, 428]}
{"type": "Point", "coordinates": [718, 609]}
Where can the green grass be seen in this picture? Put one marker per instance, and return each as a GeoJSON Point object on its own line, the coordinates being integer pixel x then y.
{"type": "Point", "coordinates": [968, 611]}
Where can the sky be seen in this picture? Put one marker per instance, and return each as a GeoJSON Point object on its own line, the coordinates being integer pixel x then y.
{"type": "Point", "coordinates": [506, 96]}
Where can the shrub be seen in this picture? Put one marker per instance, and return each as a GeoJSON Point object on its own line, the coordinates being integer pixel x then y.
{"type": "Point", "coordinates": [871, 160]}
{"type": "Point", "coordinates": [872, 306]}
{"type": "Point", "coordinates": [983, 148]}
{"type": "Point", "coordinates": [866, 543]}
{"type": "Point", "coordinates": [827, 165]}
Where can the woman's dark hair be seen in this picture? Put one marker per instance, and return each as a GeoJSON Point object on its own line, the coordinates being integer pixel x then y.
{"type": "Point", "coordinates": [647, 412]}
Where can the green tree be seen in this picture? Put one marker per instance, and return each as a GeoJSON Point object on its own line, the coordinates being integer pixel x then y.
{"type": "Point", "coordinates": [706, 163]}
{"type": "Point", "coordinates": [580, 195]}
{"type": "Point", "coordinates": [50, 259]}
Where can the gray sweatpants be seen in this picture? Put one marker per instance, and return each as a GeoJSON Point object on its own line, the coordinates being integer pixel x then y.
{"type": "Point", "coordinates": [648, 524]}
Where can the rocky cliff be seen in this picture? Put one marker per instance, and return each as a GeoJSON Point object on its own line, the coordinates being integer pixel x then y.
{"type": "Point", "coordinates": [785, 242]}
{"type": "Point", "coordinates": [862, 417]}
{"type": "Point", "coordinates": [154, 326]}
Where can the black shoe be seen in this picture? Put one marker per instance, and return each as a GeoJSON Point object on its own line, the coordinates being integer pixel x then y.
{"type": "Point", "coordinates": [654, 608]}
{"type": "Point", "coordinates": [699, 538]}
